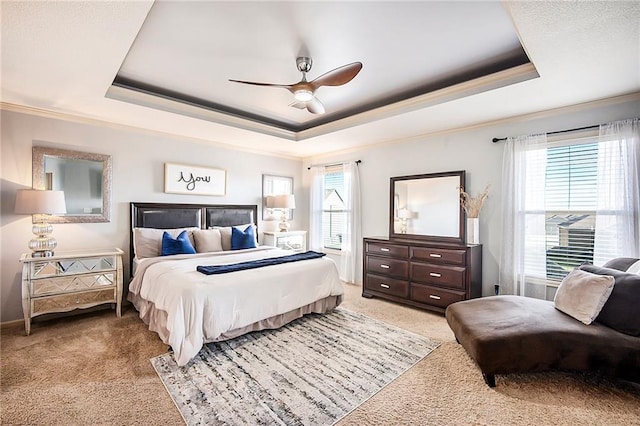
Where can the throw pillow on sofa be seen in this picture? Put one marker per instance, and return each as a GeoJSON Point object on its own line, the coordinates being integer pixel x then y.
{"type": "Point", "coordinates": [582, 295]}
{"type": "Point", "coordinates": [620, 312]}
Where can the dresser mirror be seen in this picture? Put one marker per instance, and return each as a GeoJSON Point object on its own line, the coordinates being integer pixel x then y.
{"type": "Point", "coordinates": [427, 207]}
{"type": "Point", "coordinates": [84, 177]}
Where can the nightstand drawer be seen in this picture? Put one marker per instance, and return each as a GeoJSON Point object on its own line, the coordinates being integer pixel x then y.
{"type": "Point", "coordinates": [435, 296]}
{"type": "Point", "coordinates": [386, 266]}
{"type": "Point", "coordinates": [71, 283]}
{"type": "Point", "coordinates": [71, 301]}
{"type": "Point", "coordinates": [447, 276]}
{"type": "Point", "coordinates": [388, 250]}
{"type": "Point", "coordinates": [387, 285]}
{"type": "Point", "coordinates": [436, 255]}
{"type": "Point", "coordinates": [81, 265]}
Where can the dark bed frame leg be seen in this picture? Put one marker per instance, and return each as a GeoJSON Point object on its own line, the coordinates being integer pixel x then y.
{"type": "Point", "coordinates": [490, 380]}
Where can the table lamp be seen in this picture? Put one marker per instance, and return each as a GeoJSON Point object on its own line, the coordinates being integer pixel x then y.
{"type": "Point", "coordinates": [284, 202]}
{"type": "Point", "coordinates": [41, 204]}
{"type": "Point", "coordinates": [403, 215]}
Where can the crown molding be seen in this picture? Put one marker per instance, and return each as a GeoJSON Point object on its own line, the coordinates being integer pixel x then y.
{"type": "Point", "coordinates": [40, 112]}
{"type": "Point", "coordinates": [475, 86]}
{"type": "Point", "coordinates": [145, 98]}
{"type": "Point", "coordinates": [599, 103]}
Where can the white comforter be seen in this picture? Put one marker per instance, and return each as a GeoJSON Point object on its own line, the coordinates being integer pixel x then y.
{"type": "Point", "coordinates": [201, 307]}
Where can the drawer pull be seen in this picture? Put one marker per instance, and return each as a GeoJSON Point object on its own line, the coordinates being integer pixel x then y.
{"type": "Point", "coordinates": [434, 255]}
{"type": "Point", "coordinates": [435, 274]}
{"type": "Point", "coordinates": [384, 249]}
{"type": "Point", "coordinates": [384, 285]}
{"type": "Point", "coordinates": [383, 266]}
{"type": "Point", "coordinates": [433, 296]}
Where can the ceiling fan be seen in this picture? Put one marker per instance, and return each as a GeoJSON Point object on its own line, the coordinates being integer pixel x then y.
{"type": "Point", "coordinates": [303, 91]}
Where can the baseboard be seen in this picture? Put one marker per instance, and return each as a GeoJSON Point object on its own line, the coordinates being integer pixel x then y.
{"type": "Point", "coordinates": [11, 324]}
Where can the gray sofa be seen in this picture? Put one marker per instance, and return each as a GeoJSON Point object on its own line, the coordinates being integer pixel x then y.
{"type": "Point", "coordinates": [513, 334]}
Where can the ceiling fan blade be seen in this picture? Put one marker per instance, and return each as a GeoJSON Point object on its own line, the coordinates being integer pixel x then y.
{"type": "Point", "coordinates": [314, 106]}
{"type": "Point", "coordinates": [284, 86]}
{"type": "Point", "coordinates": [338, 76]}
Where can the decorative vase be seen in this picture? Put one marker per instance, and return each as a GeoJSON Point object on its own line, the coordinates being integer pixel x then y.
{"type": "Point", "coordinates": [473, 230]}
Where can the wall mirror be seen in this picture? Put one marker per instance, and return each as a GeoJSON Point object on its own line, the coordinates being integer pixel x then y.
{"type": "Point", "coordinates": [275, 185]}
{"type": "Point", "coordinates": [84, 177]}
{"type": "Point", "coordinates": [427, 207]}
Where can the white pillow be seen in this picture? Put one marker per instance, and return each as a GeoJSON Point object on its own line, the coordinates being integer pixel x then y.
{"type": "Point", "coordinates": [147, 242]}
{"type": "Point", "coordinates": [582, 294]}
{"type": "Point", "coordinates": [207, 240]}
{"type": "Point", "coordinates": [225, 234]}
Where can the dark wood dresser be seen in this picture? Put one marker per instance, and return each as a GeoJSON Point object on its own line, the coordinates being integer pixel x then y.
{"type": "Point", "coordinates": [422, 274]}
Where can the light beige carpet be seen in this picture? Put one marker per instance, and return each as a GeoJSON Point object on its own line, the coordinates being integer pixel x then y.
{"type": "Point", "coordinates": [95, 369]}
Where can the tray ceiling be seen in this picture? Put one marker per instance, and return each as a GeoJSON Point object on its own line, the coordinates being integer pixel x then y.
{"type": "Point", "coordinates": [60, 59]}
{"type": "Point", "coordinates": [186, 52]}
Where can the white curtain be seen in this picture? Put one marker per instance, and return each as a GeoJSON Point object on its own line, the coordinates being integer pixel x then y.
{"type": "Point", "coordinates": [618, 204]}
{"type": "Point", "coordinates": [350, 239]}
{"type": "Point", "coordinates": [317, 197]}
{"type": "Point", "coordinates": [523, 214]}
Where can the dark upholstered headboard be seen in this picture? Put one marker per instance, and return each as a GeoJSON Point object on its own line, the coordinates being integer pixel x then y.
{"type": "Point", "coordinates": [171, 215]}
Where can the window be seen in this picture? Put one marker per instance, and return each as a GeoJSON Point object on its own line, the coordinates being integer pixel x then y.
{"type": "Point", "coordinates": [569, 173]}
{"type": "Point", "coordinates": [334, 212]}
{"type": "Point", "coordinates": [563, 210]}
{"type": "Point", "coordinates": [568, 200]}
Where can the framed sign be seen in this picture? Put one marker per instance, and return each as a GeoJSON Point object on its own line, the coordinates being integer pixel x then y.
{"type": "Point", "coordinates": [183, 179]}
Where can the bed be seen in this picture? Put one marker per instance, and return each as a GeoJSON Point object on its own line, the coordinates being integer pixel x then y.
{"type": "Point", "coordinates": [187, 308]}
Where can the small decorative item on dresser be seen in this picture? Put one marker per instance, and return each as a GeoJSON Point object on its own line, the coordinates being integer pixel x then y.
{"type": "Point", "coordinates": [40, 204]}
{"type": "Point", "coordinates": [70, 280]}
{"type": "Point", "coordinates": [472, 207]}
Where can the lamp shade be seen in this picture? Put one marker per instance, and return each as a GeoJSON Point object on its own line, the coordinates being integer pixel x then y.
{"type": "Point", "coordinates": [404, 214]}
{"type": "Point", "coordinates": [284, 201]}
{"type": "Point", "coordinates": [270, 200]}
{"type": "Point", "coordinates": [34, 201]}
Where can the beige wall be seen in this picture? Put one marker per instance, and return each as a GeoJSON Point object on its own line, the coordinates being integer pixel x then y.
{"type": "Point", "coordinates": [138, 160]}
{"type": "Point", "coordinates": [138, 175]}
{"type": "Point", "coordinates": [471, 151]}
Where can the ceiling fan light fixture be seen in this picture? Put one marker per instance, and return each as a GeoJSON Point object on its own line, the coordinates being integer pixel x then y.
{"type": "Point", "coordinates": [303, 95]}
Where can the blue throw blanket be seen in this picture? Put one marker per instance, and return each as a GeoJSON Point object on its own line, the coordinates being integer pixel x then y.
{"type": "Point", "coordinates": [252, 264]}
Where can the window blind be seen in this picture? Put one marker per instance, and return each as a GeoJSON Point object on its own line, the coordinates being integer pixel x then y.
{"type": "Point", "coordinates": [562, 191]}
{"type": "Point", "coordinates": [334, 215]}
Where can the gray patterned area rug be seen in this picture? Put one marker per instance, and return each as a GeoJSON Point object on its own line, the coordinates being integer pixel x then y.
{"type": "Point", "coordinates": [313, 371]}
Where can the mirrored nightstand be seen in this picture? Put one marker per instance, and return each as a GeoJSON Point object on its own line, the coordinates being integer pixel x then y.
{"type": "Point", "coordinates": [70, 280]}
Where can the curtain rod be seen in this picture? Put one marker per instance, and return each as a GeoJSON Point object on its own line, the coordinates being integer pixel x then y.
{"type": "Point", "coordinates": [556, 132]}
{"type": "Point", "coordinates": [331, 164]}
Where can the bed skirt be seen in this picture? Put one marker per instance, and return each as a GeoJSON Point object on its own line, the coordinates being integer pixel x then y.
{"type": "Point", "coordinates": [156, 319]}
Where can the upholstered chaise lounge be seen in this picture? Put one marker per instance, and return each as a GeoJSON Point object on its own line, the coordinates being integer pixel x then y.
{"type": "Point", "coordinates": [513, 334]}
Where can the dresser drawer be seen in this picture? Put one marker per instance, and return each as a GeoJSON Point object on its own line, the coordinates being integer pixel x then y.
{"type": "Point", "coordinates": [387, 266]}
{"type": "Point", "coordinates": [71, 283]}
{"type": "Point", "coordinates": [388, 250]}
{"type": "Point", "coordinates": [71, 301]}
{"type": "Point", "coordinates": [435, 296]}
{"type": "Point", "coordinates": [446, 276]}
{"type": "Point", "coordinates": [387, 285]}
{"type": "Point", "coordinates": [436, 255]}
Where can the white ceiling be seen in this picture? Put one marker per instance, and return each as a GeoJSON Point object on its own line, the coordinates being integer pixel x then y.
{"type": "Point", "coordinates": [62, 57]}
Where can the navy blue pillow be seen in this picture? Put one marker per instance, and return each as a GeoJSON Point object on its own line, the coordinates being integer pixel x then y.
{"type": "Point", "coordinates": [242, 239]}
{"type": "Point", "coordinates": [180, 245]}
